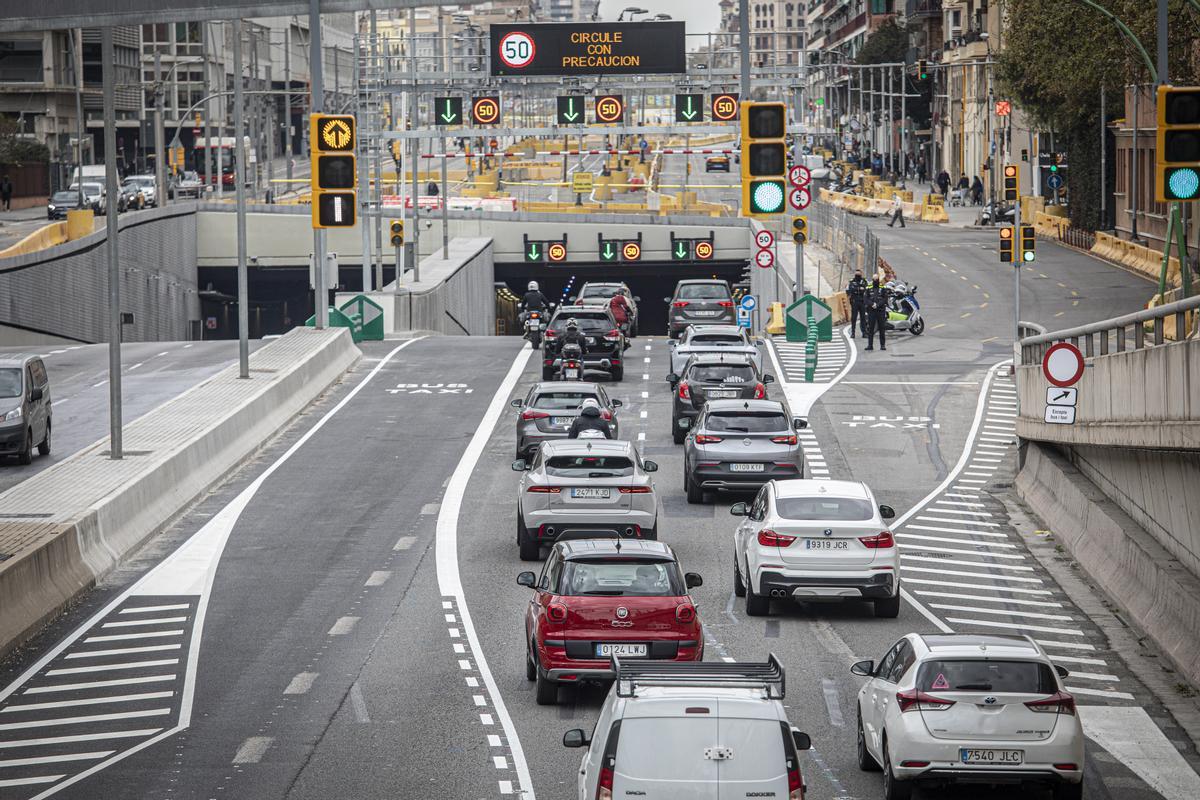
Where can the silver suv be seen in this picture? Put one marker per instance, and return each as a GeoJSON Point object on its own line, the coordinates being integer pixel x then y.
{"type": "Point", "coordinates": [700, 302]}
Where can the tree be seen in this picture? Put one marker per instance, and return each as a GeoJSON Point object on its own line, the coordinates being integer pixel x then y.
{"type": "Point", "coordinates": [888, 44]}
{"type": "Point", "coordinates": [17, 150]}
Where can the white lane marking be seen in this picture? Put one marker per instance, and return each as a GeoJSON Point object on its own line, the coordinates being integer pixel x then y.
{"type": "Point", "coordinates": [645, 395]}
{"type": "Point", "coordinates": [35, 781]}
{"type": "Point", "coordinates": [186, 346]}
{"type": "Point", "coordinates": [976, 598]}
{"type": "Point", "coordinates": [645, 377]}
{"type": "Point", "coordinates": [98, 385]}
{"type": "Point", "coordinates": [641, 437]}
{"type": "Point", "coordinates": [13, 708]}
{"type": "Point", "coordinates": [1099, 692]}
{"type": "Point", "coordinates": [494, 740]}
{"type": "Point", "coordinates": [343, 626]}
{"type": "Point", "coordinates": [163, 353]}
{"type": "Point", "coordinates": [979, 522]}
{"type": "Point", "coordinates": [34, 761]}
{"type": "Point", "coordinates": [1095, 676]}
{"type": "Point", "coordinates": [948, 540]}
{"type": "Point", "coordinates": [404, 542]}
{"type": "Point", "coordinates": [106, 667]}
{"type": "Point", "coordinates": [359, 704]}
{"type": "Point", "coordinates": [429, 509]}
{"type": "Point", "coordinates": [912, 383]}
{"type": "Point", "coordinates": [72, 687]}
{"type": "Point", "coordinates": [83, 737]}
{"type": "Point", "coordinates": [449, 576]}
{"type": "Point", "coordinates": [829, 689]}
{"type": "Point", "coordinates": [472, 681]}
{"type": "Point", "coordinates": [138, 622]}
{"type": "Point", "coordinates": [454, 634]}
{"type": "Point", "coordinates": [479, 700]}
{"type": "Point", "coordinates": [156, 648]}
{"type": "Point", "coordinates": [378, 578]}
{"type": "Point", "coordinates": [464, 664]}
{"type": "Point", "coordinates": [135, 366]}
{"type": "Point", "coordinates": [1067, 645]}
{"type": "Point", "coordinates": [149, 609]}
{"type": "Point", "coordinates": [253, 749]}
{"type": "Point", "coordinates": [964, 563]}
{"type": "Point", "coordinates": [1128, 733]}
{"type": "Point", "coordinates": [1004, 611]}
{"type": "Point", "coordinates": [1078, 659]}
{"type": "Point", "coordinates": [642, 414]}
{"type": "Point", "coordinates": [964, 574]}
{"type": "Point", "coordinates": [646, 360]}
{"type": "Point", "coordinates": [506, 787]}
{"type": "Point", "coordinates": [960, 585]}
{"type": "Point", "coordinates": [500, 762]}
{"type": "Point", "coordinates": [459, 647]}
{"type": "Point", "coordinates": [120, 637]}
{"type": "Point", "coordinates": [49, 723]}
{"type": "Point", "coordinates": [957, 503]}
{"type": "Point", "coordinates": [486, 719]}
{"type": "Point", "coordinates": [301, 683]}
{"type": "Point", "coordinates": [1016, 626]}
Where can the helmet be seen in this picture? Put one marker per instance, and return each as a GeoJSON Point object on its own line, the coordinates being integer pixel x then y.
{"type": "Point", "coordinates": [590, 402]}
{"type": "Point", "coordinates": [590, 411]}
{"type": "Point", "coordinates": [533, 287]}
{"type": "Point", "coordinates": [572, 324]}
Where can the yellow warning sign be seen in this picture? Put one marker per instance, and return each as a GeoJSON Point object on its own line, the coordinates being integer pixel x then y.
{"type": "Point", "coordinates": [582, 182]}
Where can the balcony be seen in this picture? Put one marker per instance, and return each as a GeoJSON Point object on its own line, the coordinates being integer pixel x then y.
{"type": "Point", "coordinates": [847, 29]}
{"type": "Point", "coordinates": [965, 46]}
{"type": "Point", "coordinates": [922, 9]}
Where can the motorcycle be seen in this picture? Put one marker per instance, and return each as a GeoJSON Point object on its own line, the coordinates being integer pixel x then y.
{"type": "Point", "coordinates": [534, 325]}
{"type": "Point", "coordinates": [994, 213]}
{"type": "Point", "coordinates": [570, 364]}
{"type": "Point", "coordinates": [904, 312]}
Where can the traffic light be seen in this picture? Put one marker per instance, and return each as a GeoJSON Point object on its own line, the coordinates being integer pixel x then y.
{"type": "Point", "coordinates": [764, 159]}
{"type": "Point", "coordinates": [922, 69]}
{"type": "Point", "coordinates": [799, 230]}
{"type": "Point", "coordinates": [1028, 242]}
{"type": "Point", "coordinates": [1177, 155]}
{"type": "Point", "coordinates": [1006, 245]}
{"type": "Point", "coordinates": [1011, 179]}
{"type": "Point", "coordinates": [332, 137]}
{"type": "Point", "coordinates": [397, 227]}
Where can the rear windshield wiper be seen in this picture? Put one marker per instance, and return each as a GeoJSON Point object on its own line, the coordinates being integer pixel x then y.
{"type": "Point", "coordinates": [735, 428]}
{"type": "Point", "coordinates": [605, 592]}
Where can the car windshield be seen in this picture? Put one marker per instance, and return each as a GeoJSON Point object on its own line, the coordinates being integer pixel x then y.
{"type": "Point", "coordinates": [561, 400]}
{"type": "Point", "coordinates": [626, 577]}
{"type": "Point", "coordinates": [589, 466]}
{"type": "Point", "coordinates": [64, 197]}
{"type": "Point", "coordinates": [716, 338]}
{"type": "Point", "coordinates": [10, 382]}
{"type": "Point", "coordinates": [840, 509]}
{"type": "Point", "coordinates": [702, 291]}
{"type": "Point", "coordinates": [722, 373]}
{"type": "Point", "coordinates": [600, 291]}
{"type": "Point", "coordinates": [588, 323]}
{"type": "Point", "coordinates": [983, 675]}
{"type": "Point", "coordinates": [746, 422]}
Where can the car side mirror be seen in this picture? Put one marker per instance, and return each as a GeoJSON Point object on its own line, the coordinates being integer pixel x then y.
{"type": "Point", "coordinates": [628, 344]}
{"type": "Point", "coordinates": [35, 394]}
{"type": "Point", "coordinates": [739, 510]}
{"type": "Point", "coordinates": [617, 403]}
{"type": "Point", "coordinates": [527, 579]}
{"type": "Point", "coordinates": [576, 738]}
{"type": "Point", "coordinates": [571, 299]}
{"type": "Point", "coordinates": [517, 403]}
{"type": "Point", "coordinates": [799, 423]}
{"type": "Point", "coordinates": [637, 299]}
{"type": "Point", "coordinates": [666, 299]}
{"type": "Point", "coordinates": [864, 669]}
{"type": "Point", "coordinates": [650, 466]}
{"type": "Point", "coordinates": [767, 378]}
{"type": "Point", "coordinates": [693, 579]}
{"type": "Point", "coordinates": [1063, 672]}
{"type": "Point", "coordinates": [887, 512]}
{"type": "Point", "coordinates": [519, 465]}
{"type": "Point", "coordinates": [672, 378]}
{"type": "Point", "coordinates": [760, 342]}
{"type": "Point", "coordinates": [801, 739]}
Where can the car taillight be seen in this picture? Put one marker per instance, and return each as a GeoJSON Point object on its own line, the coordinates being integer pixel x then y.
{"type": "Point", "coordinates": [544, 489]}
{"type": "Point", "coordinates": [534, 315]}
{"type": "Point", "coordinates": [685, 613]}
{"type": "Point", "coordinates": [685, 391]}
{"type": "Point", "coordinates": [914, 700]}
{"type": "Point", "coordinates": [726, 304]}
{"type": "Point", "coordinates": [883, 541]}
{"type": "Point", "coordinates": [605, 785]}
{"type": "Point", "coordinates": [606, 415]}
{"type": "Point", "coordinates": [760, 392]}
{"type": "Point", "coordinates": [528, 415]}
{"type": "Point", "coordinates": [679, 304]}
{"type": "Point", "coordinates": [784, 439]}
{"type": "Point", "coordinates": [769, 538]}
{"type": "Point", "coordinates": [549, 334]}
{"type": "Point", "coordinates": [705, 439]}
{"type": "Point", "coordinates": [613, 335]}
{"type": "Point", "coordinates": [795, 782]}
{"type": "Point", "coordinates": [556, 612]}
{"type": "Point", "coordinates": [635, 490]}
{"type": "Point", "coordinates": [1057, 703]}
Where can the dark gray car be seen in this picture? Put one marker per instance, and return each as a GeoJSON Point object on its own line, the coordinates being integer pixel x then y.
{"type": "Point", "coordinates": [549, 409]}
{"type": "Point", "coordinates": [699, 302]}
{"type": "Point", "coordinates": [24, 406]}
{"type": "Point", "coordinates": [740, 445]}
{"type": "Point", "coordinates": [712, 376]}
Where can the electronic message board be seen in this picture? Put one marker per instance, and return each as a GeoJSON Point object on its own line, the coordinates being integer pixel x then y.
{"type": "Point", "coordinates": [594, 48]}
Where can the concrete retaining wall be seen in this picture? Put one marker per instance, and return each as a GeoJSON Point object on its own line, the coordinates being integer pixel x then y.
{"type": "Point", "coordinates": [1155, 589]}
{"type": "Point", "coordinates": [63, 290]}
{"type": "Point", "coordinates": [72, 523]}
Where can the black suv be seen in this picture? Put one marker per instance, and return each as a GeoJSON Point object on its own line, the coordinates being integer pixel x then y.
{"type": "Point", "coordinates": [712, 376]}
{"type": "Point", "coordinates": [606, 345]}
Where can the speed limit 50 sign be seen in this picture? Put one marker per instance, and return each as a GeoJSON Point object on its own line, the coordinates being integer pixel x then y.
{"type": "Point", "coordinates": [517, 49]}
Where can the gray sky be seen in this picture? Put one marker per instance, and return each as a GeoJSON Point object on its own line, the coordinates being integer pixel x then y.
{"type": "Point", "coordinates": [701, 16]}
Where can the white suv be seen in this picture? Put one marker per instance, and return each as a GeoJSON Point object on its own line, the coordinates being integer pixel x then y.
{"type": "Point", "coordinates": [692, 731]}
{"type": "Point", "coordinates": [968, 708]}
{"type": "Point", "coordinates": [815, 540]}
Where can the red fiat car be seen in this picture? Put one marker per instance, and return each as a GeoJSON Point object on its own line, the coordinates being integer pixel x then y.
{"type": "Point", "coordinates": [597, 598]}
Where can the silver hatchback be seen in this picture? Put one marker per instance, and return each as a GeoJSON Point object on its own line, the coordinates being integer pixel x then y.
{"type": "Point", "coordinates": [740, 445]}
{"type": "Point", "coordinates": [549, 409]}
{"type": "Point", "coordinates": [699, 302]}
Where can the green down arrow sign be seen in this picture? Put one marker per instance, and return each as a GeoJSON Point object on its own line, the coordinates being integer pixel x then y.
{"type": "Point", "coordinates": [566, 110]}
{"type": "Point", "coordinates": [448, 110]}
{"type": "Point", "coordinates": [681, 251]}
{"type": "Point", "coordinates": [534, 253]}
{"type": "Point", "coordinates": [608, 253]}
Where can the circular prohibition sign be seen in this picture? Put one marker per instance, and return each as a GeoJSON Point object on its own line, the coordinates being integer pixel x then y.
{"type": "Point", "coordinates": [632, 251]}
{"type": "Point", "coordinates": [485, 110]}
{"type": "Point", "coordinates": [704, 250]}
{"type": "Point", "coordinates": [517, 49]}
{"type": "Point", "coordinates": [557, 252]}
{"type": "Point", "coordinates": [1063, 364]}
{"type": "Point", "coordinates": [724, 107]}
{"type": "Point", "coordinates": [609, 108]}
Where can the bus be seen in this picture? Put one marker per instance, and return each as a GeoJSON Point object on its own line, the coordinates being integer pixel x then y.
{"type": "Point", "coordinates": [223, 156]}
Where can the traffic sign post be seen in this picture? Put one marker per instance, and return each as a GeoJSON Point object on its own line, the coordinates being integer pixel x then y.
{"type": "Point", "coordinates": [797, 315]}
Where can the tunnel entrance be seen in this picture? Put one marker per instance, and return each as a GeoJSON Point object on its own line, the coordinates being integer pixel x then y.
{"type": "Point", "coordinates": [650, 281]}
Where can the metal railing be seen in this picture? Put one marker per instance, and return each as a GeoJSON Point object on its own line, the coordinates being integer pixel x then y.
{"type": "Point", "coordinates": [1097, 338]}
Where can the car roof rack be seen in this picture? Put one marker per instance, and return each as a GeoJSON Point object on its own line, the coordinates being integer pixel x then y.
{"type": "Point", "coordinates": [769, 676]}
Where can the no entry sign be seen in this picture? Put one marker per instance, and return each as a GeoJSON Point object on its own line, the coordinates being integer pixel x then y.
{"type": "Point", "coordinates": [1063, 364]}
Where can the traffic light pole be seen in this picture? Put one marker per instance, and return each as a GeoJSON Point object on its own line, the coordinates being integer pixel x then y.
{"type": "Point", "coordinates": [317, 105]}
{"type": "Point", "coordinates": [798, 289]}
{"type": "Point", "coordinates": [1018, 261]}
{"type": "Point", "coordinates": [744, 46]}
{"type": "Point", "coordinates": [239, 179]}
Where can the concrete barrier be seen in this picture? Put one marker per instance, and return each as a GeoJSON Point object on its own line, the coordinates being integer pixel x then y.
{"type": "Point", "coordinates": [776, 325]}
{"type": "Point", "coordinates": [1152, 587]}
{"type": "Point", "coordinates": [72, 523]}
{"type": "Point", "coordinates": [46, 236]}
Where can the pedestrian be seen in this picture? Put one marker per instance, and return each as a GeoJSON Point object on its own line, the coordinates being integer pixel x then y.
{"type": "Point", "coordinates": [855, 291]}
{"type": "Point", "coordinates": [922, 172]}
{"type": "Point", "coordinates": [943, 182]}
{"type": "Point", "coordinates": [897, 211]}
{"type": "Point", "coordinates": [6, 192]}
{"type": "Point", "coordinates": [875, 301]}
{"type": "Point", "coordinates": [977, 191]}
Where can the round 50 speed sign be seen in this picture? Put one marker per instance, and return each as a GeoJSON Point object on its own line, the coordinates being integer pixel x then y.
{"type": "Point", "coordinates": [517, 50]}
{"type": "Point", "coordinates": [764, 239]}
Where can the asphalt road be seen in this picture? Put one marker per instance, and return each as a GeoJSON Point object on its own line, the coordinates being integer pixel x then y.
{"type": "Point", "coordinates": [362, 635]}
{"type": "Point", "coordinates": [151, 374]}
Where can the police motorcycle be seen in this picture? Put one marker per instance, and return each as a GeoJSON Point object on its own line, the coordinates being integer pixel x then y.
{"type": "Point", "coordinates": [904, 311]}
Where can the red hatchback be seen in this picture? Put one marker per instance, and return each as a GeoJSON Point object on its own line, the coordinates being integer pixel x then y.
{"type": "Point", "coordinates": [597, 598]}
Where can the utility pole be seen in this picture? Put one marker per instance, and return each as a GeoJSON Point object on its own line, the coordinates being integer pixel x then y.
{"type": "Point", "coordinates": [377, 145]}
{"type": "Point", "coordinates": [415, 150]}
{"type": "Point", "coordinates": [239, 179]}
{"type": "Point", "coordinates": [287, 99]}
{"type": "Point", "coordinates": [364, 201]}
{"type": "Point", "coordinates": [209, 174]}
{"type": "Point", "coordinates": [160, 186]}
{"type": "Point", "coordinates": [77, 69]}
{"type": "Point", "coordinates": [108, 66]}
{"type": "Point", "coordinates": [1103, 162]}
{"type": "Point", "coordinates": [316, 76]}
{"type": "Point", "coordinates": [744, 46]}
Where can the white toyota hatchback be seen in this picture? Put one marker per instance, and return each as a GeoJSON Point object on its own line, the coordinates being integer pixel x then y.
{"type": "Point", "coordinates": [815, 540]}
{"type": "Point", "coordinates": [967, 708]}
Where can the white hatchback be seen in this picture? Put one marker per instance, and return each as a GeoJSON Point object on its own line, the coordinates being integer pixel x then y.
{"type": "Point", "coordinates": [968, 708]}
{"type": "Point", "coordinates": [815, 540]}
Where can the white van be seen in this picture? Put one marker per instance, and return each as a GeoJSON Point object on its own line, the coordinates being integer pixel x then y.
{"type": "Point", "coordinates": [692, 731]}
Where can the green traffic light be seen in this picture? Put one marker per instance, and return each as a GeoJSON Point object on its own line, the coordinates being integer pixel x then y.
{"type": "Point", "coordinates": [1183, 183]}
{"type": "Point", "coordinates": [1027, 255]}
{"type": "Point", "coordinates": [766, 197]}
{"type": "Point", "coordinates": [1054, 167]}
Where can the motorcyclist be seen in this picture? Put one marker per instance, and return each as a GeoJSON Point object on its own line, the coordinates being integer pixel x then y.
{"type": "Point", "coordinates": [533, 300]}
{"type": "Point", "coordinates": [590, 419]}
{"type": "Point", "coordinates": [572, 335]}
{"type": "Point", "coordinates": [855, 291]}
{"type": "Point", "coordinates": [620, 309]}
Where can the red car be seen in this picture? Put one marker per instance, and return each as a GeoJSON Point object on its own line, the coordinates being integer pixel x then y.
{"type": "Point", "coordinates": [597, 598]}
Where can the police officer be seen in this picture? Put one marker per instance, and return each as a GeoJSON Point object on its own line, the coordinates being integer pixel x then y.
{"type": "Point", "coordinates": [855, 291]}
{"type": "Point", "coordinates": [590, 419]}
{"type": "Point", "coordinates": [875, 300]}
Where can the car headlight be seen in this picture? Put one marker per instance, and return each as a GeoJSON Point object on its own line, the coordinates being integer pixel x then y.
{"type": "Point", "coordinates": [51, 207]}
{"type": "Point", "coordinates": [11, 415]}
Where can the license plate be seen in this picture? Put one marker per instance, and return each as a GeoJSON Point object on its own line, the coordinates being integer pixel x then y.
{"type": "Point", "coordinates": [572, 373]}
{"type": "Point", "coordinates": [747, 467]}
{"type": "Point", "coordinates": [621, 650]}
{"type": "Point", "coordinates": [722, 393]}
{"type": "Point", "coordinates": [591, 493]}
{"type": "Point", "coordinates": [826, 544]}
{"type": "Point", "coordinates": [564, 422]}
{"type": "Point", "coordinates": [1007, 757]}
{"type": "Point", "coordinates": [590, 340]}
{"type": "Point", "coordinates": [704, 313]}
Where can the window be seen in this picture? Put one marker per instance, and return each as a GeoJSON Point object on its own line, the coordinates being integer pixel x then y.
{"type": "Point", "coordinates": [39, 373]}
{"type": "Point", "coordinates": [884, 670]}
{"type": "Point", "coordinates": [560, 400]}
{"type": "Point", "coordinates": [725, 422]}
{"type": "Point", "coordinates": [982, 675]}
{"type": "Point", "coordinates": [626, 577]}
{"type": "Point", "coordinates": [727, 339]}
{"type": "Point", "coordinates": [903, 660]}
{"type": "Point", "coordinates": [10, 382]}
{"type": "Point", "coordinates": [21, 61]}
{"type": "Point", "coordinates": [702, 291]}
{"type": "Point", "coordinates": [589, 466]}
{"type": "Point", "coordinates": [721, 373]}
{"type": "Point", "coordinates": [837, 509]}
